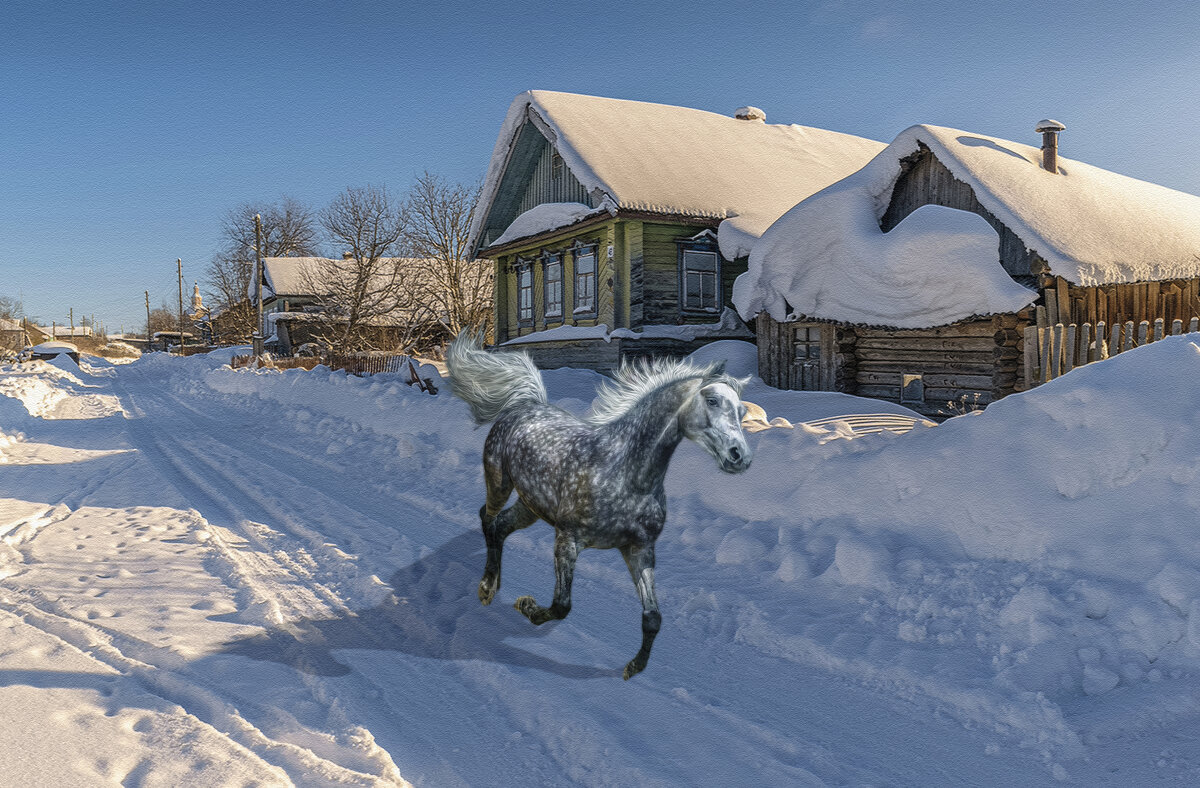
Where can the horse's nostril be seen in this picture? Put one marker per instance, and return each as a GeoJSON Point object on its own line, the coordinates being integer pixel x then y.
{"type": "Point", "coordinates": [734, 454]}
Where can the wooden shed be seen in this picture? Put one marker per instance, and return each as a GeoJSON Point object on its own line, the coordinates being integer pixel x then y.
{"type": "Point", "coordinates": [866, 289]}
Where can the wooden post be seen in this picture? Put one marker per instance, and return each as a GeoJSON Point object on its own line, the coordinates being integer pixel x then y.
{"type": "Point", "coordinates": [1127, 340]}
{"type": "Point", "coordinates": [1114, 345]}
{"type": "Point", "coordinates": [179, 266]}
{"type": "Point", "coordinates": [1192, 325]}
{"type": "Point", "coordinates": [147, 319]}
{"type": "Point", "coordinates": [1101, 342]}
{"type": "Point", "coordinates": [1046, 346]}
{"type": "Point", "coordinates": [258, 299]}
{"type": "Point", "coordinates": [1086, 352]}
{"type": "Point", "coordinates": [1070, 348]}
{"type": "Point", "coordinates": [1051, 306]}
{"type": "Point", "coordinates": [1158, 329]}
{"type": "Point", "coordinates": [1031, 349]}
{"type": "Point", "coordinates": [1040, 312]}
{"type": "Point", "coordinates": [1143, 333]}
{"type": "Point", "coordinates": [1056, 354]}
{"type": "Point", "coordinates": [1176, 327]}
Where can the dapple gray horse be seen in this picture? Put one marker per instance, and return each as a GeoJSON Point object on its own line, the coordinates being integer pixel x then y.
{"type": "Point", "coordinates": [598, 481]}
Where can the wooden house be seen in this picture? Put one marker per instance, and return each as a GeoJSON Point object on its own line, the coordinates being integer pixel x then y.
{"type": "Point", "coordinates": [918, 278]}
{"type": "Point", "coordinates": [617, 227]}
{"type": "Point", "coordinates": [294, 311]}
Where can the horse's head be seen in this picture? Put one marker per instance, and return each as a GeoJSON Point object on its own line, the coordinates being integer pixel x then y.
{"type": "Point", "coordinates": [713, 419]}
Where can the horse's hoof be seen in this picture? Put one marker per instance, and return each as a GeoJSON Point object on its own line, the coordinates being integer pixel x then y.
{"type": "Point", "coordinates": [632, 669]}
{"type": "Point", "coordinates": [526, 605]}
{"type": "Point", "coordinates": [486, 593]}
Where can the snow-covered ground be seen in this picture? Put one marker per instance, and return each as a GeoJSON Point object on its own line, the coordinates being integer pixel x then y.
{"type": "Point", "coordinates": [219, 577]}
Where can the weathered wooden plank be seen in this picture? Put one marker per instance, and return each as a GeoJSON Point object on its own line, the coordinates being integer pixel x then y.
{"type": "Point", "coordinates": [1064, 301]}
{"type": "Point", "coordinates": [929, 378]}
{"type": "Point", "coordinates": [942, 365]}
{"type": "Point", "coordinates": [1143, 332]}
{"type": "Point", "coordinates": [1051, 298]}
{"type": "Point", "coordinates": [1045, 353]}
{"type": "Point", "coordinates": [975, 328]}
{"type": "Point", "coordinates": [1070, 349]}
{"type": "Point", "coordinates": [1176, 327]}
{"type": "Point", "coordinates": [1086, 349]}
{"type": "Point", "coordinates": [1031, 345]}
{"type": "Point", "coordinates": [919, 357]}
{"type": "Point", "coordinates": [1158, 329]}
{"type": "Point", "coordinates": [866, 340]}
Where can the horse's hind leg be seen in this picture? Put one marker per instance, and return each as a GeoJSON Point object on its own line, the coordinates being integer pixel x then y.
{"type": "Point", "coordinates": [640, 561]}
{"type": "Point", "coordinates": [495, 531]}
{"type": "Point", "coordinates": [566, 550]}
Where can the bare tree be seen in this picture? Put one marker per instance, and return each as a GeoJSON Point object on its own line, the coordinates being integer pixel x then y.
{"type": "Point", "coordinates": [164, 318]}
{"type": "Point", "coordinates": [289, 228]}
{"type": "Point", "coordinates": [459, 289]}
{"type": "Point", "coordinates": [11, 308]}
{"type": "Point", "coordinates": [363, 287]}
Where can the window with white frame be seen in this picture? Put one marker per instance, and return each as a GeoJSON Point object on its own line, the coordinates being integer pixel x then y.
{"type": "Point", "coordinates": [700, 279]}
{"type": "Point", "coordinates": [553, 281]}
{"type": "Point", "coordinates": [525, 293]}
{"type": "Point", "coordinates": [585, 280]}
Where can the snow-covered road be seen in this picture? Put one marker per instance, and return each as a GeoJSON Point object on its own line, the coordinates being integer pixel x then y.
{"type": "Point", "coordinates": [234, 578]}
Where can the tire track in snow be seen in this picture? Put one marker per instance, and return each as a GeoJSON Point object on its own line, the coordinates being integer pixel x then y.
{"type": "Point", "coordinates": [276, 577]}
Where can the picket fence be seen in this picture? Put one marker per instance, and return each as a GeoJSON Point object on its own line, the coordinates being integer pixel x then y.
{"type": "Point", "coordinates": [1053, 351]}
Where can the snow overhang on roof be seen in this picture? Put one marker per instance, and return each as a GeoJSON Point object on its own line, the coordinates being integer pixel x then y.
{"type": "Point", "coordinates": [1091, 226]}
{"type": "Point", "coordinates": [656, 158]}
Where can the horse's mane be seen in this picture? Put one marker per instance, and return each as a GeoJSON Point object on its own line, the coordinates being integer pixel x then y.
{"type": "Point", "coordinates": [634, 380]}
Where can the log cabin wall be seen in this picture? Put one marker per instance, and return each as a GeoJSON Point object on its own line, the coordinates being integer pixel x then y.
{"type": "Point", "coordinates": [981, 356]}
{"type": "Point", "coordinates": [977, 357]}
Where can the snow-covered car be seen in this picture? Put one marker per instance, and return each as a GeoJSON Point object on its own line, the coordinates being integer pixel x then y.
{"type": "Point", "coordinates": [48, 350]}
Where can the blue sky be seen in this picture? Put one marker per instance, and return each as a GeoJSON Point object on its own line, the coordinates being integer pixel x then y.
{"type": "Point", "coordinates": [128, 129]}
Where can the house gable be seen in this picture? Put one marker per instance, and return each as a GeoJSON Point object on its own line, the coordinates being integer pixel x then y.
{"type": "Point", "coordinates": [924, 180]}
{"type": "Point", "coordinates": [533, 175]}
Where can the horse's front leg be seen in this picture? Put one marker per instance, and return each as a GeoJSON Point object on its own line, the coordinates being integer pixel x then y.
{"type": "Point", "coordinates": [640, 560]}
{"type": "Point", "coordinates": [566, 550]}
{"type": "Point", "coordinates": [495, 531]}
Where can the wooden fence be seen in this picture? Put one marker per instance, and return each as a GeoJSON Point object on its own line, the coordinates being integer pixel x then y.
{"type": "Point", "coordinates": [356, 364]}
{"type": "Point", "coordinates": [1053, 351]}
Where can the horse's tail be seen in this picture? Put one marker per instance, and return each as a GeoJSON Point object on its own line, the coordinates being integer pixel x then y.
{"type": "Point", "coordinates": [491, 382]}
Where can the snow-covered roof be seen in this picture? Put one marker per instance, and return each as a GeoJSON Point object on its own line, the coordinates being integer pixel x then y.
{"type": "Point", "coordinates": [286, 276]}
{"type": "Point", "coordinates": [545, 217]}
{"type": "Point", "coordinates": [10, 325]}
{"type": "Point", "coordinates": [658, 158]}
{"type": "Point", "coordinates": [54, 347]}
{"type": "Point", "coordinates": [828, 258]}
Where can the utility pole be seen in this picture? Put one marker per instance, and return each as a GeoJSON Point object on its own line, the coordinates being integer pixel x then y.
{"type": "Point", "coordinates": [147, 319]}
{"type": "Point", "coordinates": [72, 315]}
{"type": "Point", "coordinates": [258, 275]}
{"type": "Point", "coordinates": [179, 265]}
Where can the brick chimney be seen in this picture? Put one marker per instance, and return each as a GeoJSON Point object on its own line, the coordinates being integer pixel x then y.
{"type": "Point", "coordinates": [1049, 130]}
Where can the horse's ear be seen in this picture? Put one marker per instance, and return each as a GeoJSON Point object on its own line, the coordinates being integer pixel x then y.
{"type": "Point", "coordinates": [718, 370]}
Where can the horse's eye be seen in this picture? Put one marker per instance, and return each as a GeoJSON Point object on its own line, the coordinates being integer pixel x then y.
{"type": "Point", "coordinates": [712, 403]}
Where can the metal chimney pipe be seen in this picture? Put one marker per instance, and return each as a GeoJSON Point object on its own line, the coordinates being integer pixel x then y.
{"type": "Point", "coordinates": [1049, 130]}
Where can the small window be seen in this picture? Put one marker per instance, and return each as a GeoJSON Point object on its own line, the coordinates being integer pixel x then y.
{"type": "Point", "coordinates": [700, 276]}
{"type": "Point", "coordinates": [525, 294]}
{"type": "Point", "coordinates": [556, 166]}
{"type": "Point", "coordinates": [554, 291]}
{"type": "Point", "coordinates": [585, 280]}
{"type": "Point", "coordinates": [912, 389]}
